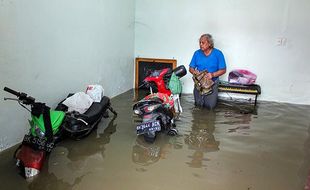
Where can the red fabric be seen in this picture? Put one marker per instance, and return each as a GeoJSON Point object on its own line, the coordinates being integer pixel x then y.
{"type": "Point", "coordinates": [164, 97]}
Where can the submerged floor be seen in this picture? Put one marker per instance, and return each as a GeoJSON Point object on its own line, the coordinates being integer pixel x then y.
{"type": "Point", "coordinates": [228, 148]}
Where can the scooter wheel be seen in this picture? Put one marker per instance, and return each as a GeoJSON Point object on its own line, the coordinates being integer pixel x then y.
{"type": "Point", "coordinates": [172, 132]}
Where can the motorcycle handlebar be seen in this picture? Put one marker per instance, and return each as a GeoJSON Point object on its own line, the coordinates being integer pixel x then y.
{"type": "Point", "coordinates": [144, 84]}
{"type": "Point", "coordinates": [12, 91]}
{"type": "Point", "coordinates": [21, 96]}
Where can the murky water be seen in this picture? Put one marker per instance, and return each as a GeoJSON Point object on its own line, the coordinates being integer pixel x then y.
{"type": "Point", "coordinates": [228, 148]}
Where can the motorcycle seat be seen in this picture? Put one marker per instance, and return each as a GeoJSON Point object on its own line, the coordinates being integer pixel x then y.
{"type": "Point", "coordinates": [96, 109]}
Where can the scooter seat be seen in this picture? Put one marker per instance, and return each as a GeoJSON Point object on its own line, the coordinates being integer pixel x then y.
{"type": "Point", "coordinates": [91, 115]}
{"type": "Point", "coordinates": [96, 109]}
{"type": "Point", "coordinates": [79, 125]}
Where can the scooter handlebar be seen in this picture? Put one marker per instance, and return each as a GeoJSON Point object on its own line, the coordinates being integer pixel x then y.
{"type": "Point", "coordinates": [12, 91]}
{"type": "Point", "coordinates": [21, 96]}
{"type": "Point", "coordinates": [144, 84]}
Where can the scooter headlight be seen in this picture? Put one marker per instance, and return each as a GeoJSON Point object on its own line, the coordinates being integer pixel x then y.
{"type": "Point", "coordinates": [151, 108]}
{"type": "Point", "coordinates": [39, 132]}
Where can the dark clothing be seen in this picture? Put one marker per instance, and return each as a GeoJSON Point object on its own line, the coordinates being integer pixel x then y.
{"type": "Point", "coordinates": [209, 101]}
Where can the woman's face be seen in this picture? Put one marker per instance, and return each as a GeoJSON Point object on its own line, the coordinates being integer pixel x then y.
{"type": "Point", "coordinates": [204, 44]}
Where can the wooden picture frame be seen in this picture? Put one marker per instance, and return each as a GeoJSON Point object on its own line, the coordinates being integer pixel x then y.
{"type": "Point", "coordinates": [143, 64]}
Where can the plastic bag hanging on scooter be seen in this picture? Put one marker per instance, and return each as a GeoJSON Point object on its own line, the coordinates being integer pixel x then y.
{"type": "Point", "coordinates": [175, 87]}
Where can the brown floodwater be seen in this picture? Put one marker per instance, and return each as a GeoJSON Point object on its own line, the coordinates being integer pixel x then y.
{"type": "Point", "coordinates": [232, 147]}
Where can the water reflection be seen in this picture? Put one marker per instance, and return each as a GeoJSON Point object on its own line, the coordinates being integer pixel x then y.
{"type": "Point", "coordinates": [201, 138]}
{"type": "Point", "coordinates": [94, 144]}
{"type": "Point", "coordinates": [240, 122]}
{"type": "Point", "coordinates": [276, 154]}
{"type": "Point", "coordinates": [145, 154]}
{"type": "Point", "coordinates": [51, 182]}
{"type": "Point", "coordinates": [305, 169]}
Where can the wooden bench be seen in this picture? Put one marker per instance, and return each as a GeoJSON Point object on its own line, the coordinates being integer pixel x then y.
{"type": "Point", "coordinates": [253, 89]}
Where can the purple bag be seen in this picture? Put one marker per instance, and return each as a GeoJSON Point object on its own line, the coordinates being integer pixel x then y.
{"type": "Point", "coordinates": [241, 76]}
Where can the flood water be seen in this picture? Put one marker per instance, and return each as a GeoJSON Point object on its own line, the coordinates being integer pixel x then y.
{"type": "Point", "coordinates": [232, 147]}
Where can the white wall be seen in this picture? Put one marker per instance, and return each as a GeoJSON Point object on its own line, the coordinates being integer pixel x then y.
{"type": "Point", "coordinates": [50, 48]}
{"type": "Point", "coordinates": [248, 33]}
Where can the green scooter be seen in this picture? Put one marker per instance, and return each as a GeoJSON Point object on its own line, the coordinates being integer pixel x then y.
{"type": "Point", "coordinates": [45, 131]}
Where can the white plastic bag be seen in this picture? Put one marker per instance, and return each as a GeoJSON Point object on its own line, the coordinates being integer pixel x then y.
{"type": "Point", "coordinates": [79, 102]}
{"type": "Point", "coordinates": [95, 91]}
{"type": "Point", "coordinates": [177, 103]}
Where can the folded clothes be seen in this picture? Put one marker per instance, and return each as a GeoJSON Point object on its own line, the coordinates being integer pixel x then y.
{"type": "Point", "coordinates": [202, 84]}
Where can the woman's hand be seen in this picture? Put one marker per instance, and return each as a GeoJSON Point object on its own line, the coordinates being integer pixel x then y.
{"type": "Point", "coordinates": [194, 71]}
{"type": "Point", "coordinates": [209, 76]}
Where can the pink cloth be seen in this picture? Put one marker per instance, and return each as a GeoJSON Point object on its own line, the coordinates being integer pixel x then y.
{"type": "Point", "coordinates": [241, 76]}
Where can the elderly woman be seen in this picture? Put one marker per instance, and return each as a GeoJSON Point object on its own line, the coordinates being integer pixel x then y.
{"type": "Point", "coordinates": [211, 61]}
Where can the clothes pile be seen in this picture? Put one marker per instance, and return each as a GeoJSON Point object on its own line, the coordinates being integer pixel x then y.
{"type": "Point", "coordinates": [202, 84]}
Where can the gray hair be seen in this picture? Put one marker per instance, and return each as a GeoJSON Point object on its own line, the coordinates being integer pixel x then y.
{"type": "Point", "coordinates": [209, 39]}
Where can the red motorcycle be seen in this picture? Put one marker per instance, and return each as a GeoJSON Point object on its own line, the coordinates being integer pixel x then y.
{"type": "Point", "coordinates": [158, 80]}
{"type": "Point", "coordinates": [157, 109]}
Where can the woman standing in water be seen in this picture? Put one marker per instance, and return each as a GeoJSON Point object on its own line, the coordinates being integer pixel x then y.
{"type": "Point", "coordinates": [212, 60]}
